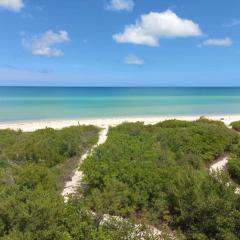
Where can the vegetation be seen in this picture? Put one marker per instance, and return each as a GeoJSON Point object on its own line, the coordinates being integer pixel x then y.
{"type": "Point", "coordinates": [148, 175]}
{"type": "Point", "coordinates": [234, 169]}
{"type": "Point", "coordinates": [236, 126]}
{"type": "Point", "coordinates": [158, 174]}
{"type": "Point", "coordinates": [234, 162]}
{"type": "Point", "coordinates": [54, 149]}
{"type": "Point", "coordinates": [31, 208]}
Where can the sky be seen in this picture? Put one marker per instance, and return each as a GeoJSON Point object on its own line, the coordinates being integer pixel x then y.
{"type": "Point", "coordinates": [119, 43]}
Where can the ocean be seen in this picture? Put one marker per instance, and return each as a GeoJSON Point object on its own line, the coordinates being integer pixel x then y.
{"type": "Point", "coordinates": [52, 103]}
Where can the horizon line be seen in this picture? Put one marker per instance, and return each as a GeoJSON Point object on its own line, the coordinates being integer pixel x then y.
{"type": "Point", "coordinates": [63, 86]}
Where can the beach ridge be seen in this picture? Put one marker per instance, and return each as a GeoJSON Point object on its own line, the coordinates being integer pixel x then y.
{"type": "Point", "coordinates": [108, 122]}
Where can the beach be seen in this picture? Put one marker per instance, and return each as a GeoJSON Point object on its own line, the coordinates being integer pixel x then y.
{"type": "Point", "coordinates": [107, 122]}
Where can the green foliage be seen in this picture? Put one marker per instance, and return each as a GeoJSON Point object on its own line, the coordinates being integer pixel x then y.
{"type": "Point", "coordinates": [36, 213]}
{"type": "Point", "coordinates": [55, 149]}
{"type": "Point", "coordinates": [47, 146]}
{"type": "Point", "coordinates": [153, 175]}
{"type": "Point", "coordinates": [31, 207]}
{"type": "Point", "coordinates": [234, 169]}
{"type": "Point", "coordinates": [209, 121]}
{"type": "Point", "coordinates": [199, 140]}
{"type": "Point", "coordinates": [234, 163]}
{"type": "Point", "coordinates": [203, 205]}
{"type": "Point", "coordinates": [157, 174]}
{"type": "Point", "coordinates": [236, 125]}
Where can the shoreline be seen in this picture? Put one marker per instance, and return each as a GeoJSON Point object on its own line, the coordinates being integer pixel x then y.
{"type": "Point", "coordinates": [33, 125]}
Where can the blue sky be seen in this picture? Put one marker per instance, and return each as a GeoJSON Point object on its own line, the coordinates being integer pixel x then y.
{"type": "Point", "coordinates": [120, 42]}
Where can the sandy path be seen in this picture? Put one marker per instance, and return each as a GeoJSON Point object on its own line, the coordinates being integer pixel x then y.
{"type": "Point", "coordinates": [154, 231]}
{"type": "Point", "coordinates": [222, 165]}
{"type": "Point", "coordinates": [219, 165]}
{"type": "Point", "coordinates": [72, 185]}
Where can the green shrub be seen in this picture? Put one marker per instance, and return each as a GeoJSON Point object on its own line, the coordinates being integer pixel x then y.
{"type": "Point", "coordinates": [150, 174]}
{"type": "Point", "coordinates": [47, 146]}
{"type": "Point", "coordinates": [157, 174]}
{"type": "Point", "coordinates": [236, 125]}
{"type": "Point", "coordinates": [234, 169]}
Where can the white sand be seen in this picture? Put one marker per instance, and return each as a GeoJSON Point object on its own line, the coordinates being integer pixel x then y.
{"type": "Point", "coordinates": [154, 231]}
{"type": "Point", "coordinates": [237, 190]}
{"type": "Point", "coordinates": [102, 122]}
{"type": "Point", "coordinates": [76, 181]}
{"type": "Point", "coordinates": [219, 165]}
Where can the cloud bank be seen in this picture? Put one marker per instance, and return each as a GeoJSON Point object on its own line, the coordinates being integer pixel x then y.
{"type": "Point", "coordinates": [151, 27]}
{"type": "Point", "coordinates": [43, 45]}
{"type": "Point", "coordinates": [12, 5]}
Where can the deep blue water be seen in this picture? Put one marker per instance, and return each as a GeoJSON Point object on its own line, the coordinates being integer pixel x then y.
{"type": "Point", "coordinates": [35, 103]}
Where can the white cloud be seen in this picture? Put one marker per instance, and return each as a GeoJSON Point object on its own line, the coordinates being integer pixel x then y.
{"type": "Point", "coordinates": [119, 5]}
{"type": "Point", "coordinates": [43, 45]}
{"type": "Point", "coordinates": [12, 5]}
{"type": "Point", "coordinates": [218, 42]}
{"type": "Point", "coordinates": [131, 59]}
{"type": "Point", "coordinates": [153, 26]}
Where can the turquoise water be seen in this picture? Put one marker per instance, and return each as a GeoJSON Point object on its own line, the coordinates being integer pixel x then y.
{"type": "Point", "coordinates": [35, 103]}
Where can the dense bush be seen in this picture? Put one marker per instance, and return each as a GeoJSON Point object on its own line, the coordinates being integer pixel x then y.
{"type": "Point", "coordinates": [236, 125]}
{"type": "Point", "coordinates": [150, 174]}
{"type": "Point", "coordinates": [234, 163]}
{"type": "Point", "coordinates": [158, 174]}
{"type": "Point", "coordinates": [56, 149]}
{"type": "Point", "coordinates": [46, 146]}
{"type": "Point", "coordinates": [31, 207]}
{"type": "Point", "coordinates": [234, 169]}
{"type": "Point", "coordinates": [30, 204]}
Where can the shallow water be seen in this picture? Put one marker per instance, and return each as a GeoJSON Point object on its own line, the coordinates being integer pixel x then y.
{"type": "Point", "coordinates": [36, 103]}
